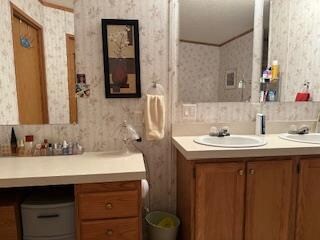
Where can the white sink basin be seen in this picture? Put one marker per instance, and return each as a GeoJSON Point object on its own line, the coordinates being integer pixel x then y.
{"type": "Point", "coordinates": [313, 138]}
{"type": "Point", "coordinates": [233, 141]}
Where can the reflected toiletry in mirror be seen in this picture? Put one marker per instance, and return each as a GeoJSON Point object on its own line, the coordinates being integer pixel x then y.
{"type": "Point", "coordinates": [216, 50]}
{"type": "Point", "coordinates": [38, 62]}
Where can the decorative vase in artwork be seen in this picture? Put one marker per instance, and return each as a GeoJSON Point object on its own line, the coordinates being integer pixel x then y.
{"type": "Point", "coordinates": [119, 75]}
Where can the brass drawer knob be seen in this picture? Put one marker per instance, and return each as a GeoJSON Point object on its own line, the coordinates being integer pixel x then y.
{"type": "Point", "coordinates": [241, 172]}
{"type": "Point", "coordinates": [252, 172]}
{"type": "Point", "coordinates": [109, 206]}
{"type": "Point", "coordinates": [109, 232]}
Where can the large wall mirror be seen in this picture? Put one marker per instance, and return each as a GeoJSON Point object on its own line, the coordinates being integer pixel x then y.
{"type": "Point", "coordinates": [215, 50]}
{"type": "Point", "coordinates": [37, 62]}
{"type": "Point", "coordinates": [221, 42]}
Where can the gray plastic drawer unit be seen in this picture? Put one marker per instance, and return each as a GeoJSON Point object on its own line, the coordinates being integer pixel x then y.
{"type": "Point", "coordinates": [48, 219]}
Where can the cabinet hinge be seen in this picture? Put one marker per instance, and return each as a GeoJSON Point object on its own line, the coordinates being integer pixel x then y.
{"type": "Point", "coordinates": [298, 168]}
{"type": "Point", "coordinates": [194, 172]}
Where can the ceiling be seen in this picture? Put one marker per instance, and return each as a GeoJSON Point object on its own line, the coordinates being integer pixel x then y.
{"type": "Point", "coordinates": [215, 21]}
{"type": "Point", "coordinates": [63, 3]}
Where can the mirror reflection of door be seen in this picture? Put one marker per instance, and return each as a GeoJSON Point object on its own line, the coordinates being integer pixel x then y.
{"type": "Point", "coordinates": [72, 78]}
{"type": "Point", "coordinates": [29, 68]}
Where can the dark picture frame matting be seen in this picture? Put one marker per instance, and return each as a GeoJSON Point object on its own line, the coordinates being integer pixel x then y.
{"type": "Point", "coordinates": [121, 65]}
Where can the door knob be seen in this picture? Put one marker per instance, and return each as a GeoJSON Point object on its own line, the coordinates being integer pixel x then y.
{"type": "Point", "coordinates": [109, 206]}
{"type": "Point", "coordinates": [109, 232]}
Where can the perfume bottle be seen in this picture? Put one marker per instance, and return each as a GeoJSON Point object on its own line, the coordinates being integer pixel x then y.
{"type": "Point", "coordinates": [13, 142]}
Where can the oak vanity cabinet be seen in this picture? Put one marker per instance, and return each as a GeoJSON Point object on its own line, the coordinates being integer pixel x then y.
{"type": "Point", "coordinates": [108, 211]}
{"type": "Point", "coordinates": [269, 198]}
{"type": "Point", "coordinates": [236, 200]}
{"type": "Point", "coordinates": [308, 205]}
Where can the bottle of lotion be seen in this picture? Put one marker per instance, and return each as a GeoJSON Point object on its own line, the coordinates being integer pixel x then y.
{"type": "Point", "coordinates": [275, 70]}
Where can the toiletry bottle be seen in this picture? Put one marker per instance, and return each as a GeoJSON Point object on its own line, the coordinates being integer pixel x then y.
{"type": "Point", "coordinates": [29, 145]}
{"type": "Point", "coordinates": [55, 149]}
{"type": "Point", "coordinates": [271, 96]}
{"type": "Point", "coordinates": [275, 70]}
{"type": "Point", "coordinates": [37, 150]}
{"type": "Point", "coordinates": [13, 142]}
{"type": "Point", "coordinates": [65, 148]}
{"type": "Point", "coordinates": [43, 150]}
{"type": "Point", "coordinates": [70, 148]}
{"type": "Point", "coordinates": [21, 148]}
{"type": "Point", "coordinates": [50, 150]}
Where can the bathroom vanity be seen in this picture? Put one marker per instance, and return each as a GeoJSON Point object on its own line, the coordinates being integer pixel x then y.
{"type": "Point", "coordinates": [107, 189]}
{"type": "Point", "coordinates": [267, 192]}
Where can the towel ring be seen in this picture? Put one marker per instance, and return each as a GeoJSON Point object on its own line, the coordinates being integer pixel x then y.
{"type": "Point", "coordinates": [156, 89]}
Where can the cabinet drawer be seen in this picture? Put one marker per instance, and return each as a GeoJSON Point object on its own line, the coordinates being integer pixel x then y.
{"type": "Point", "coordinates": [117, 229]}
{"type": "Point", "coordinates": [93, 206]}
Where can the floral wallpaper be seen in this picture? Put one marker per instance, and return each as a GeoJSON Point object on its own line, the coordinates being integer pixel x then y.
{"type": "Point", "coordinates": [198, 72]}
{"type": "Point", "coordinates": [56, 24]}
{"type": "Point", "coordinates": [236, 55]}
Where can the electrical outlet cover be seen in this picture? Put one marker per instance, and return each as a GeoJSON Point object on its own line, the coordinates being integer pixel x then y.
{"type": "Point", "coordinates": [189, 112]}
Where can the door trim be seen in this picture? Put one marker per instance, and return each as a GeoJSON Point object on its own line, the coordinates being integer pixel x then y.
{"type": "Point", "coordinates": [71, 36]}
{"type": "Point", "coordinates": [17, 12]}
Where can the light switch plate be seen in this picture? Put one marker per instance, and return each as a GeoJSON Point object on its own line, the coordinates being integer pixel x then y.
{"type": "Point", "coordinates": [189, 112]}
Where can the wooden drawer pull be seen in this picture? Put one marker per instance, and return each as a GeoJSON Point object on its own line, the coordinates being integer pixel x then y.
{"type": "Point", "coordinates": [109, 206]}
{"type": "Point", "coordinates": [109, 232]}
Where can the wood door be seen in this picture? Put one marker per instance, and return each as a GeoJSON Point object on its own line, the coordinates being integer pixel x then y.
{"type": "Point", "coordinates": [219, 201]}
{"type": "Point", "coordinates": [71, 56]}
{"type": "Point", "coordinates": [308, 216]}
{"type": "Point", "coordinates": [269, 197]}
{"type": "Point", "coordinates": [29, 68]}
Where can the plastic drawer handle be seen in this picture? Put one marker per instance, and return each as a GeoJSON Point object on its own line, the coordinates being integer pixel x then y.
{"type": "Point", "coordinates": [49, 216]}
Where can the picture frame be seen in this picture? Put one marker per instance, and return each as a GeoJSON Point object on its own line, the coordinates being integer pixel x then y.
{"type": "Point", "coordinates": [121, 55]}
{"type": "Point", "coordinates": [230, 79]}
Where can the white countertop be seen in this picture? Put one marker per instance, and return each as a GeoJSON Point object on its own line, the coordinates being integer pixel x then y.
{"type": "Point", "coordinates": [274, 147]}
{"type": "Point", "coordinates": [89, 167]}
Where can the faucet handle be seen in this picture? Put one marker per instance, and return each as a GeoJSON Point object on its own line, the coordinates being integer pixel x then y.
{"type": "Point", "coordinates": [225, 130]}
{"type": "Point", "coordinates": [214, 131]}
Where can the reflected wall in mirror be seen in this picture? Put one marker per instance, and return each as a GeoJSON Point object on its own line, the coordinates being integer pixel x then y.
{"type": "Point", "coordinates": [295, 43]}
{"type": "Point", "coordinates": [37, 62]}
{"type": "Point", "coordinates": [215, 50]}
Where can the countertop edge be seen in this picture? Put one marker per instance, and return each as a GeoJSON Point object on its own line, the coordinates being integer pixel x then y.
{"type": "Point", "coordinates": [72, 180]}
{"type": "Point", "coordinates": [245, 153]}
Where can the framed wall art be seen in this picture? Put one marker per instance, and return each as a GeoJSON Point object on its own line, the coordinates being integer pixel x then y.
{"type": "Point", "coordinates": [121, 58]}
{"type": "Point", "coordinates": [230, 79]}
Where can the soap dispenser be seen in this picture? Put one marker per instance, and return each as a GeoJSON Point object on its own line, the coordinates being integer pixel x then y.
{"type": "Point", "coordinates": [260, 124]}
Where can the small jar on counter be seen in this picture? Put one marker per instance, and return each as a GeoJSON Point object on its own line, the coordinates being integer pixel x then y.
{"type": "Point", "coordinates": [21, 148]}
{"type": "Point", "coordinates": [28, 145]}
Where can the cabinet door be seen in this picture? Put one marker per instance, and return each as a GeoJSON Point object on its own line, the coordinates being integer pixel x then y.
{"type": "Point", "coordinates": [269, 197]}
{"type": "Point", "coordinates": [219, 201]}
{"type": "Point", "coordinates": [308, 217]}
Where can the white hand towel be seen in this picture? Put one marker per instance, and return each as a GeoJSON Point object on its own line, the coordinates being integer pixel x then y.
{"type": "Point", "coordinates": [154, 117]}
